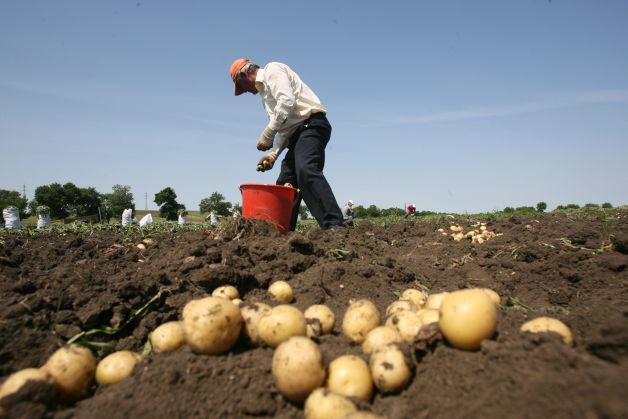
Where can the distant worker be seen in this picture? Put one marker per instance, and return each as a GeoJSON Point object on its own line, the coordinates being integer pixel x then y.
{"type": "Point", "coordinates": [410, 211]}
{"type": "Point", "coordinates": [299, 117]}
{"type": "Point", "coordinates": [212, 218]}
{"type": "Point", "coordinates": [347, 211]}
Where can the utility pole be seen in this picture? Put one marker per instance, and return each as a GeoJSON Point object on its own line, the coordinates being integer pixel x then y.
{"type": "Point", "coordinates": [24, 191]}
{"type": "Point", "coordinates": [146, 201]}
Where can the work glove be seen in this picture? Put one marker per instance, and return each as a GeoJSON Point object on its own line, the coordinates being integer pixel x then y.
{"type": "Point", "coordinates": [266, 138]}
{"type": "Point", "coordinates": [267, 162]}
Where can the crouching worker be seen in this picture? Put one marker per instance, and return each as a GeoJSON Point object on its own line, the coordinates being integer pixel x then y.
{"type": "Point", "coordinates": [347, 213]}
{"type": "Point", "coordinates": [298, 119]}
{"type": "Point", "coordinates": [410, 211]}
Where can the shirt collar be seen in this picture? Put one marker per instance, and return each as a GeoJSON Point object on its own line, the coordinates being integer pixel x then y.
{"type": "Point", "coordinates": [259, 79]}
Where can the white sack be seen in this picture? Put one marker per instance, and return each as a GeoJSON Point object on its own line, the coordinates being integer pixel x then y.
{"type": "Point", "coordinates": [127, 217]}
{"type": "Point", "coordinates": [147, 219]}
{"type": "Point", "coordinates": [11, 218]}
{"type": "Point", "coordinates": [43, 220]}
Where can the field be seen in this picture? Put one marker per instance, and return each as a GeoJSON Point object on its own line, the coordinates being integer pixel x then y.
{"type": "Point", "coordinates": [94, 286]}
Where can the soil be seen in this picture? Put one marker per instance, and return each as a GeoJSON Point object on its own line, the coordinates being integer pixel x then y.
{"type": "Point", "coordinates": [572, 268]}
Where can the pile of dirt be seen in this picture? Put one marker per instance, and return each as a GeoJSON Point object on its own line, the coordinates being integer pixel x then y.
{"type": "Point", "coordinates": [55, 286]}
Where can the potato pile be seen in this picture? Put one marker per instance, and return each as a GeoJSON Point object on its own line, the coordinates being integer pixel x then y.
{"type": "Point", "coordinates": [479, 233]}
{"type": "Point", "coordinates": [213, 324]}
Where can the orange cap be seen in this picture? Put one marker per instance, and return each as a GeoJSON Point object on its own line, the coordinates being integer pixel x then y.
{"type": "Point", "coordinates": [235, 69]}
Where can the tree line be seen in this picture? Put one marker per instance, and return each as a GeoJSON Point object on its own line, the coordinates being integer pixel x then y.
{"type": "Point", "coordinates": [69, 200]}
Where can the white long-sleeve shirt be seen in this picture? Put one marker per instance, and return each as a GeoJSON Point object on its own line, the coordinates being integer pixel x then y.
{"type": "Point", "coordinates": [287, 100]}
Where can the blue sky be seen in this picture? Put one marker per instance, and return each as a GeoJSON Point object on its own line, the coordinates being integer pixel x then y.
{"type": "Point", "coordinates": [451, 105]}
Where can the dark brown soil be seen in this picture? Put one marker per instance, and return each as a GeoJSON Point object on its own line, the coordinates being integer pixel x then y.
{"type": "Point", "coordinates": [52, 287]}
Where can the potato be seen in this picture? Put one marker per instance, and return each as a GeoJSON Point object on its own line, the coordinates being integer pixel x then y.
{"type": "Point", "coordinates": [252, 313]}
{"type": "Point", "coordinates": [546, 325]}
{"type": "Point", "coordinates": [363, 414]}
{"type": "Point", "coordinates": [281, 323]}
{"type": "Point", "coordinates": [360, 318]}
{"type": "Point", "coordinates": [389, 368]}
{"type": "Point", "coordinates": [280, 291]}
{"type": "Point", "coordinates": [14, 383]}
{"type": "Point", "coordinates": [380, 336]}
{"type": "Point", "coordinates": [407, 323]}
{"type": "Point", "coordinates": [72, 367]}
{"type": "Point", "coordinates": [427, 316]}
{"type": "Point", "coordinates": [324, 314]}
{"type": "Point", "coordinates": [298, 368]}
{"type": "Point", "coordinates": [116, 367]}
{"type": "Point", "coordinates": [435, 300]}
{"type": "Point", "coordinates": [349, 376]}
{"type": "Point", "coordinates": [238, 302]}
{"type": "Point", "coordinates": [324, 404]}
{"type": "Point", "coordinates": [211, 325]}
{"type": "Point", "coordinates": [226, 291]}
{"type": "Point", "coordinates": [167, 337]}
{"type": "Point", "coordinates": [416, 296]}
{"type": "Point", "coordinates": [467, 317]}
{"type": "Point", "coordinates": [400, 305]}
{"type": "Point", "coordinates": [494, 296]}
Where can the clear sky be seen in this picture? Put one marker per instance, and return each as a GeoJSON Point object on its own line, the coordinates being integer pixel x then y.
{"type": "Point", "coordinates": [451, 105]}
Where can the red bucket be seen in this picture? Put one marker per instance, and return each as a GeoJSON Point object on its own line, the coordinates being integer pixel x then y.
{"type": "Point", "coordinates": [272, 203]}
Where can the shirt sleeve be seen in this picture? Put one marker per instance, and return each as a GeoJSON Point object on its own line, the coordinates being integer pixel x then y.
{"type": "Point", "coordinates": [281, 89]}
{"type": "Point", "coordinates": [280, 144]}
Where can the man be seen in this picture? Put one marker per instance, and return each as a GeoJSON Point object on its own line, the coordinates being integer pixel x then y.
{"type": "Point", "coordinates": [347, 211]}
{"type": "Point", "coordinates": [299, 119]}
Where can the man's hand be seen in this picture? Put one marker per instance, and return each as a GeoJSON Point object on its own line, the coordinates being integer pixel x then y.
{"type": "Point", "coordinates": [266, 138]}
{"type": "Point", "coordinates": [267, 162]}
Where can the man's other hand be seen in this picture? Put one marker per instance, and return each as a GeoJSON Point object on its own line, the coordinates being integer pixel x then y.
{"type": "Point", "coordinates": [267, 162]}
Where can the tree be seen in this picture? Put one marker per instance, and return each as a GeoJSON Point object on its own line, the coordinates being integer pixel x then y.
{"type": "Point", "coordinates": [541, 206]}
{"type": "Point", "coordinates": [168, 205]}
{"type": "Point", "coordinates": [237, 207]}
{"type": "Point", "coordinates": [13, 199]}
{"type": "Point", "coordinates": [373, 211]}
{"type": "Point", "coordinates": [359, 211]}
{"type": "Point", "coordinates": [66, 200]}
{"type": "Point", "coordinates": [88, 202]}
{"type": "Point", "coordinates": [54, 197]}
{"type": "Point", "coordinates": [120, 199]}
{"type": "Point", "coordinates": [509, 209]}
{"type": "Point", "coordinates": [607, 205]}
{"type": "Point", "coordinates": [215, 202]}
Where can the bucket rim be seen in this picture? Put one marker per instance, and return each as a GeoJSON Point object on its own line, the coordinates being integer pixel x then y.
{"type": "Point", "coordinates": [245, 185]}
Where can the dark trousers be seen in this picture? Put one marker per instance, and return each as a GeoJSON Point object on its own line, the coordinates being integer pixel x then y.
{"type": "Point", "coordinates": [303, 168]}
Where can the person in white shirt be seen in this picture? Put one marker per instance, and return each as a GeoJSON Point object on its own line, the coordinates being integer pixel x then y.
{"type": "Point", "coordinates": [298, 119]}
{"type": "Point", "coordinates": [347, 211]}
